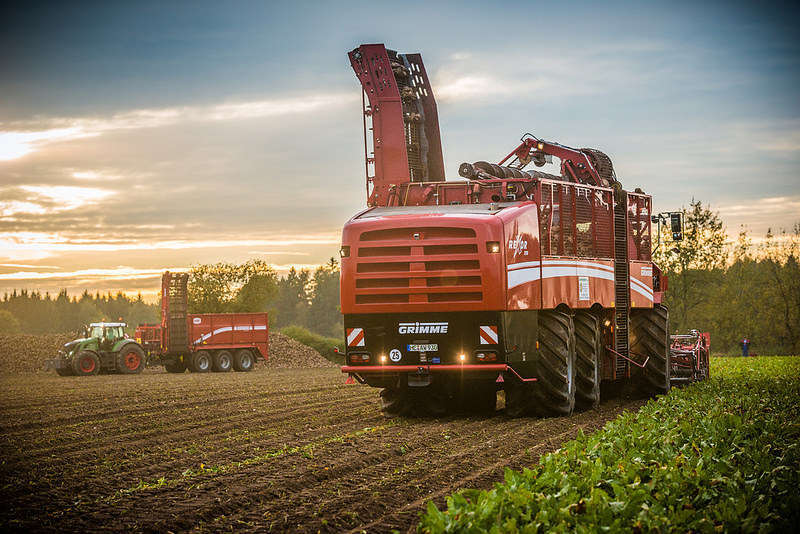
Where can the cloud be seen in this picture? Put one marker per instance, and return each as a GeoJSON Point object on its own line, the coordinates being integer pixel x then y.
{"type": "Point", "coordinates": [42, 200]}
{"type": "Point", "coordinates": [20, 138]}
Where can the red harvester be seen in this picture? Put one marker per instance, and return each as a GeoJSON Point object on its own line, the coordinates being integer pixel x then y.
{"type": "Point", "coordinates": [510, 278]}
{"type": "Point", "coordinates": [202, 342]}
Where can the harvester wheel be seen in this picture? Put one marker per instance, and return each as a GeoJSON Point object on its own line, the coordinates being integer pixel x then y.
{"type": "Point", "coordinates": [588, 348]}
{"type": "Point", "coordinates": [553, 394]}
{"type": "Point", "coordinates": [201, 362]}
{"type": "Point", "coordinates": [243, 361]}
{"type": "Point", "coordinates": [223, 361]}
{"type": "Point", "coordinates": [131, 360]}
{"type": "Point", "coordinates": [175, 367]}
{"type": "Point", "coordinates": [649, 336]}
{"type": "Point", "coordinates": [395, 401]}
{"type": "Point", "coordinates": [86, 364]}
{"type": "Point", "coordinates": [65, 371]}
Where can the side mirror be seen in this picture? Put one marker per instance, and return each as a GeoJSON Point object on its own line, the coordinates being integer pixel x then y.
{"type": "Point", "coordinates": [676, 223]}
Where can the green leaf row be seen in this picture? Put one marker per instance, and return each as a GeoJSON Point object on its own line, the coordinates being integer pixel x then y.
{"type": "Point", "coordinates": [722, 455]}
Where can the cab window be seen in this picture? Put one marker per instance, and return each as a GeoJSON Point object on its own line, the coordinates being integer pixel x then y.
{"type": "Point", "coordinates": [96, 331]}
{"type": "Point", "coordinates": [113, 332]}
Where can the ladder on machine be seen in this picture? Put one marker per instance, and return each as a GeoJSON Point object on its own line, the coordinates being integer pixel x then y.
{"type": "Point", "coordinates": [621, 283]}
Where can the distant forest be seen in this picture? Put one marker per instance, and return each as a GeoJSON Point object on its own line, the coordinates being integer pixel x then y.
{"type": "Point", "coordinates": [303, 298]}
{"type": "Point", "coordinates": [732, 290]}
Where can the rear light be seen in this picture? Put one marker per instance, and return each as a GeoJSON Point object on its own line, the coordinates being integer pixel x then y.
{"type": "Point", "coordinates": [493, 247]}
{"type": "Point", "coordinates": [359, 358]}
{"type": "Point", "coordinates": [344, 251]}
{"type": "Point", "coordinates": [462, 357]}
{"type": "Point", "coordinates": [486, 356]}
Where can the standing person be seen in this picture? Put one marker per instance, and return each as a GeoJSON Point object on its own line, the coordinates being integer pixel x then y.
{"type": "Point", "coordinates": [745, 343]}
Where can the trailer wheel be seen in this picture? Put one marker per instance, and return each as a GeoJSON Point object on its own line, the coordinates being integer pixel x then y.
{"type": "Point", "coordinates": [243, 361]}
{"type": "Point", "coordinates": [588, 348]}
{"type": "Point", "coordinates": [223, 361]}
{"type": "Point", "coordinates": [649, 336]}
{"type": "Point", "coordinates": [86, 364]}
{"type": "Point", "coordinates": [175, 367]}
{"type": "Point", "coordinates": [395, 401]}
{"type": "Point", "coordinates": [553, 394]}
{"type": "Point", "coordinates": [201, 362]}
{"type": "Point", "coordinates": [131, 360]}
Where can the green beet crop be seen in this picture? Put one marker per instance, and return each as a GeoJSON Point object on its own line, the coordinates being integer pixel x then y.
{"type": "Point", "coordinates": [722, 455]}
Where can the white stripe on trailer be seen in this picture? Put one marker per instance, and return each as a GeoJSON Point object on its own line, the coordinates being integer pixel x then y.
{"type": "Point", "coordinates": [240, 328]}
{"type": "Point", "coordinates": [488, 335]}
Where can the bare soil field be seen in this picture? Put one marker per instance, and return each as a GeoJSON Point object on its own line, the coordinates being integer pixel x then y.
{"type": "Point", "coordinates": [279, 450]}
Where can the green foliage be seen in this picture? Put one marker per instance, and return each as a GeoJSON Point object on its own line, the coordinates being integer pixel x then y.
{"type": "Point", "coordinates": [8, 323]}
{"type": "Point", "coordinates": [229, 287]}
{"type": "Point", "coordinates": [323, 345]}
{"type": "Point", "coordinates": [733, 290]}
{"type": "Point", "coordinates": [721, 455]}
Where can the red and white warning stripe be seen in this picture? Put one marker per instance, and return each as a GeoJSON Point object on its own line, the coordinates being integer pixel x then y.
{"type": "Point", "coordinates": [355, 337]}
{"type": "Point", "coordinates": [488, 335]}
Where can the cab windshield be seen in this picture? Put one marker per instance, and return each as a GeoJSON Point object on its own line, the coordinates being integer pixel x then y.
{"type": "Point", "coordinates": [114, 332]}
{"type": "Point", "coordinates": [96, 331]}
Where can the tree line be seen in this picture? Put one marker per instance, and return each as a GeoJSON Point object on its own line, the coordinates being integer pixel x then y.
{"type": "Point", "coordinates": [745, 289]}
{"type": "Point", "coordinates": [303, 298]}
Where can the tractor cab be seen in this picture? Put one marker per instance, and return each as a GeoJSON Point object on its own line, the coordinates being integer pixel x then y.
{"type": "Point", "coordinates": [107, 334]}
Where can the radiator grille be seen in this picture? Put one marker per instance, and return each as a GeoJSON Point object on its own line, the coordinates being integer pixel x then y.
{"type": "Point", "coordinates": [418, 265]}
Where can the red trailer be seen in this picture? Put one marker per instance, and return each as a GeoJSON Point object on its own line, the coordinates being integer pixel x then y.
{"type": "Point", "coordinates": [202, 342]}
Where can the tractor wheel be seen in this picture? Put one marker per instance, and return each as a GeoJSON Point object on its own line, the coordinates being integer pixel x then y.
{"type": "Point", "coordinates": [223, 361]}
{"type": "Point", "coordinates": [131, 360]}
{"type": "Point", "coordinates": [201, 362]}
{"type": "Point", "coordinates": [65, 371]}
{"type": "Point", "coordinates": [588, 348]}
{"type": "Point", "coordinates": [553, 394]}
{"type": "Point", "coordinates": [85, 364]}
{"type": "Point", "coordinates": [175, 367]}
{"type": "Point", "coordinates": [395, 401]}
{"type": "Point", "coordinates": [649, 337]}
{"type": "Point", "coordinates": [244, 361]}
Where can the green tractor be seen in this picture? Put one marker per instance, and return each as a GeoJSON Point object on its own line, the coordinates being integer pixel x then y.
{"type": "Point", "coordinates": [103, 347]}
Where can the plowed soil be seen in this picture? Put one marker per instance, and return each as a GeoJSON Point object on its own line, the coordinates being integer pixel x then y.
{"type": "Point", "coordinates": [284, 450]}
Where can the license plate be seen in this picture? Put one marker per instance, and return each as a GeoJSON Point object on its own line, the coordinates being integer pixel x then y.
{"type": "Point", "coordinates": [431, 347]}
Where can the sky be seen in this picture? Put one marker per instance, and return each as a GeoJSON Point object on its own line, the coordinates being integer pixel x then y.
{"type": "Point", "coordinates": [143, 136]}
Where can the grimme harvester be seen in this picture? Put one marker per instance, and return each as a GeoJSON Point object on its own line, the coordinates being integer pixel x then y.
{"type": "Point", "coordinates": [511, 278]}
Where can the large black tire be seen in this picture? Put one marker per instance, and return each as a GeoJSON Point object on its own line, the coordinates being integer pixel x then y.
{"type": "Point", "coordinates": [244, 360]}
{"type": "Point", "coordinates": [588, 348]}
{"type": "Point", "coordinates": [223, 361]}
{"type": "Point", "coordinates": [86, 363]}
{"type": "Point", "coordinates": [201, 362]}
{"type": "Point", "coordinates": [131, 359]}
{"type": "Point", "coordinates": [649, 337]}
{"type": "Point", "coordinates": [175, 367]}
{"type": "Point", "coordinates": [553, 394]}
{"type": "Point", "coordinates": [395, 401]}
